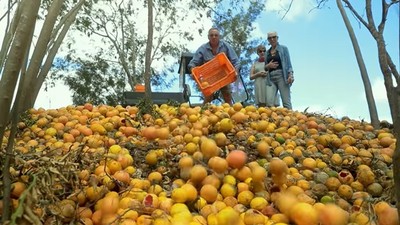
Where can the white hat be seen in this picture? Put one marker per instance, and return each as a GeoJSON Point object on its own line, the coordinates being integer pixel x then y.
{"type": "Point", "coordinates": [272, 34]}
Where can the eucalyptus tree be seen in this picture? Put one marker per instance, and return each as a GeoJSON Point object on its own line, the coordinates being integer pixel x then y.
{"type": "Point", "coordinates": [119, 30]}
{"type": "Point", "coordinates": [373, 112]}
{"type": "Point", "coordinates": [390, 73]}
{"type": "Point", "coordinates": [25, 62]}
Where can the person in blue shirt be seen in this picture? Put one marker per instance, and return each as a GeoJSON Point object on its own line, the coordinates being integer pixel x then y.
{"type": "Point", "coordinates": [280, 71]}
{"type": "Point", "coordinates": [208, 51]}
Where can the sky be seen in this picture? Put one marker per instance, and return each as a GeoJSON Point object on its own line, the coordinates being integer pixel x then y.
{"type": "Point", "coordinates": [327, 77]}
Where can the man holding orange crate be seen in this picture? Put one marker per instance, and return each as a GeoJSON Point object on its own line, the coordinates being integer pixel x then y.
{"type": "Point", "coordinates": [207, 52]}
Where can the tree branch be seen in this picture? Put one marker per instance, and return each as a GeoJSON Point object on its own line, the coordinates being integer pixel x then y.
{"type": "Point", "coordinates": [348, 5]}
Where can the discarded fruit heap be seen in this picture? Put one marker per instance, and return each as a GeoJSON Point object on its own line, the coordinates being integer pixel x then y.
{"type": "Point", "coordinates": [214, 165]}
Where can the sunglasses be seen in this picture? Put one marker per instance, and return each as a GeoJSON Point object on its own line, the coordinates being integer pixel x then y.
{"type": "Point", "coordinates": [213, 35]}
{"type": "Point", "coordinates": [261, 51]}
{"type": "Point", "coordinates": [269, 38]}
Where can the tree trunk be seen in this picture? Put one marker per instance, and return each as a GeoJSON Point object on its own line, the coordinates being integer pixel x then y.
{"type": "Point", "coordinates": [8, 36]}
{"type": "Point", "coordinates": [149, 46]}
{"type": "Point", "coordinates": [13, 64]}
{"type": "Point", "coordinates": [39, 53]}
{"type": "Point", "coordinates": [52, 53]}
{"type": "Point", "coordinates": [373, 113]}
{"type": "Point", "coordinates": [389, 71]}
{"type": "Point", "coordinates": [15, 59]}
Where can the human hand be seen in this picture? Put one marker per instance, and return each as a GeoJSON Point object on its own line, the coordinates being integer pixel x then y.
{"type": "Point", "coordinates": [290, 79]}
{"type": "Point", "coordinates": [263, 73]}
{"type": "Point", "coordinates": [272, 65]}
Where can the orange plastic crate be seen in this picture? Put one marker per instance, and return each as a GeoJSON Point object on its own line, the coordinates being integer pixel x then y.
{"type": "Point", "coordinates": [139, 88]}
{"type": "Point", "coordinates": [214, 74]}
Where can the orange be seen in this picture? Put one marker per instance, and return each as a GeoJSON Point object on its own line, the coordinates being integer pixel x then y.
{"type": "Point", "coordinates": [191, 191]}
{"type": "Point", "coordinates": [263, 148]}
{"type": "Point", "coordinates": [198, 173]}
{"type": "Point", "coordinates": [220, 139]}
{"type": "Point", "coordinates": [228, 190]}
{"type": "Point", "coordinates": [17, 188]}
{"type": "Point", "coordinates": [258, 173]}
{"type": "Point", "coordinates": [209, 148]}
{"type": "Point", "coordinates": [245, 197]}
{"type": "Point", "coordinates": [109, 205]}
{"type": "Point", "coordinates": [191, 148]}
{"type": "Point", "coordinates": [185, 162]}
{"type": "Point", "coordinates": [309, 163]}
{"type": "Point", "coordinates": [155, 177]}
{"type": "Point", "coordinates": [243, 173]}
{"type": "Point", "coordinates": [151, 158]}
{"type": "Point", "coordinates": [123, 176]}
{"type": "Point", "coordinates": [303, 214]}
{"type": "Point", "coordinates": [209, 193]}
{"type": "Point", "coordinates": [236, 159]}
{"type": "Point", "coordinates": [218, 164]}
{"type": "Point", "coordinates": [179, 195]}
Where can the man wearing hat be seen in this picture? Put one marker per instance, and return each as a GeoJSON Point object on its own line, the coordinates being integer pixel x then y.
{"type": "Point", "coordinates": [279, 67]}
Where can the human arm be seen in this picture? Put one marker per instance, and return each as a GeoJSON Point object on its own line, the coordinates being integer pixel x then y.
{"type": "Point", "coordinates": [232, 56]}
{"type": "Point", "coordinates": [254, 74]}
{"type": "Point", "coordinates": [197, 59]}
{"type": "Point", "coordinates": [290, 77]}
{"type": "Point", "coordinates": [288, 61]}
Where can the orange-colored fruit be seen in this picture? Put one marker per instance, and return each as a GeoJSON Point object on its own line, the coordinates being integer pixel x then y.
{"type": "Point", "coordinates": [209, 193]}
{"type": "Point", "coordinates": [109, 205]}
{"type": "Point", "coordinates": [17, 188]}
{"type": "Point", "coordinates": [245, 197]}
{"type": "Point", "coordinates": [218, 164]}
{"type": "Point", "coordinates": [236, 159]}
{"type": "Point", "coordinates": [303, 214]}
{"type": "Point", "coordinates": [278, 166]}
{"type": "Point", "coordinates": [191, 192]}
{"type": "Point", "coordinates": [209, 148]}
{"type": "Point", "coordinates": [198, 173]}
{"type": "Point", "coordinates": [258, 173]}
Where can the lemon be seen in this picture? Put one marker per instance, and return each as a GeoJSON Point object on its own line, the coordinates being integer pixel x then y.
{"type": "Point", "coordinates": [229, 179]}
{"type": "Point", "coordinates": [178, 207]}
{"type": "Point", "coordinates": [225, 125]}
{"type": "Point", "coordinates": [179, 195]}
{"type": "Point", "coordinates": [228, 190]}
{"type": "Point", "coordinates": [258, 203]}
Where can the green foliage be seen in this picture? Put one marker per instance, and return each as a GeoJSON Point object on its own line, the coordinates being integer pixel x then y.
{"type": "Point", "coordinates": [93, 81]}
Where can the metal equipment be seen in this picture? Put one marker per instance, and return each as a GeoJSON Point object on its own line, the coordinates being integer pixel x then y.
{"type": "Point", "coordinates": [184, 94]}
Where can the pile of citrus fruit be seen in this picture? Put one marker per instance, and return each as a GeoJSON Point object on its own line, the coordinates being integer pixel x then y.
{"type": "Point", "coordinates": [216, 165]}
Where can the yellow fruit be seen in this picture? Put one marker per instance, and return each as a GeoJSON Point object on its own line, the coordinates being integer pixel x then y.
{"type": "Point", "coordinates": [333, 215]}
{"type": "Point", "coordinates": [178, 207]}
{"type": "Point", "coordinates": [245, 197]}
{"type": "Point", "coordinates": [198, 173]}
{"type": "Point", "coordinates": [209, 148]}
{"type": "Point", "coordinates": [227, 216]}
{"type": "Point", "coordinates": [258, 203]}
{"type": "Point", "coordinates": [204, 84]}
{"type": "Point", "coordinates": [209, 193]}
{"type": "Point", "coordinates": [191, 192]}
{"type": "Point", "coordinates": [303, 214]}
{"type": "Point", "coordinates": [228, 190]}
{"type": "Point", "coordinates": [225, 125]}
{"type": "Point", "coordinates": [179, 195]}
{"type": "Point", "coordinates": [253, 217]}
{"type": "Point", "coordinates": [258, 173]}
{"type": "Point", "coordinates": [339, 127]}
{"type": "Point", "coordinates": [229, 179]}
